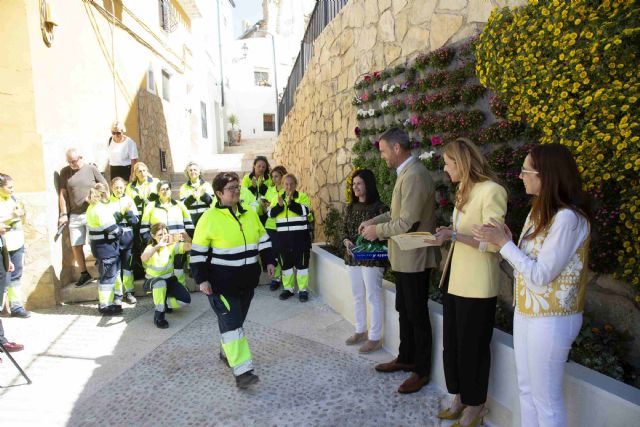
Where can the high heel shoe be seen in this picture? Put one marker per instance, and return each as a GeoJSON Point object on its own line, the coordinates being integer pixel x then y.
{"type": "Point", "coordinates": [447, 414]}
{"type": "Point", "coordinates": [479, 419]}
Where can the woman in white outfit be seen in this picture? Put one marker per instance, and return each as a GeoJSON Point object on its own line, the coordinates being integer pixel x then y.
{"type": "Point", "coordinates": [550, 266]}
{"type": "Point", "coordinates": [365, 204]}
{"type": "Point", "coordinates": [123, 153]}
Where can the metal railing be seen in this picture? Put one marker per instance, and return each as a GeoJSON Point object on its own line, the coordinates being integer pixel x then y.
{"type": "Point", "coordinates": [323, 13]}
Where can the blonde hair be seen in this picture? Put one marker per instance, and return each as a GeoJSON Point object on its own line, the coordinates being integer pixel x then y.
{"type": "Point", "coordinates": [291, 176]}
{"type": "Point", "coordinates": [116, 180]}
{"type": "Point", "coordinates": [186, 168]}
{"type": "Point", "coordinates": [99, 190]}
{"type": "Point", "coordinates": [137, 166]}
{"type": "Point", "coordinates": [118, 125]}
{"type": "Point", "coordinates": [472, 167]}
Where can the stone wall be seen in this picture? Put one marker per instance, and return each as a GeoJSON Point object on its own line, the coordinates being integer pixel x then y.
{"type": "Point", "coordinates": [317, 137]}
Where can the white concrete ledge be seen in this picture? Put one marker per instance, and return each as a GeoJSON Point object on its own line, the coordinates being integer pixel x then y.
{"type": "Point", "coordinates": [592, 399]}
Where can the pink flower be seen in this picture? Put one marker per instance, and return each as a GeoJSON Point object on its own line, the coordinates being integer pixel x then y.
{"type": "Point", "coordinates": [435, 140]}
{"type": "Point", "coordinates": [365, 96]}
{"type": "Point", "coordinates": [376, 74]}
{"type": "Point", "coordinates": [414, 120]}
{"type": "Point", "coordinates": [367, 78]}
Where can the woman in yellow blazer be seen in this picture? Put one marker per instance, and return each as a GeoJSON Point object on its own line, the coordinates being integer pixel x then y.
{"type": "Point", "coordinates": [469, 281]}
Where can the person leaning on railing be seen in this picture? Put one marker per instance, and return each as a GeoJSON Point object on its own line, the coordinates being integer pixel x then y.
{"type": "Point", "coordinates": [470, 281]}
{"type": "Point", "coordinates": [550, 269]}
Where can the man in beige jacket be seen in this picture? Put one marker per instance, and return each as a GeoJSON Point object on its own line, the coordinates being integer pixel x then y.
{"type": "Point", "coordinates": [412, 209]}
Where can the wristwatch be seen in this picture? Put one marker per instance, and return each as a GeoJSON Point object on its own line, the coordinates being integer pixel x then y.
{"type": "Point", "coordinates": [454, 236]}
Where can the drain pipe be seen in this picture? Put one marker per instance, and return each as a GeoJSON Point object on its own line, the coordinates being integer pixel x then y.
{"type": "Point", "coordinates": [220, 56]}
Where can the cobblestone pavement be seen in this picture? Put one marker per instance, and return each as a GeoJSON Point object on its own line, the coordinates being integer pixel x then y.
{"type": "Point", "coordinates": [90, 371]}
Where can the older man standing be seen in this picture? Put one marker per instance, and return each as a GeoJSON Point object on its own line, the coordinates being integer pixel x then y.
{"type": "Point", "coordinates": [75, 181]}
{"type": "Point", "coordinates": [412, 209]}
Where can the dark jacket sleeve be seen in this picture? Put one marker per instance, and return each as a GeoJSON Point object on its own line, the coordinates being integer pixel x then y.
{"type": "Point", "coordinates": [276, 210]}
{"type": "Point", "coordinates": [189, 201]}
{"type": "Point", "coordinates": [131, 218]}
{"type": "Point", "coordinates": [206, 199]}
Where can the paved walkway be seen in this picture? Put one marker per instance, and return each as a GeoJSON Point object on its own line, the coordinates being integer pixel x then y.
{"type": "Point", "coordinates": [122, 371]}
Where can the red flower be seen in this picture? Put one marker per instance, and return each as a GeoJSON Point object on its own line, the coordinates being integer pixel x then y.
{"type": "Point", "coordinates": [435, 140]}
{"type": "Point", "coordinates": [367, 78]}
{"type": "Point", "coordinates": [357, 131]}
{"type": "Point", "coordinates": [443, 203]}
{"type": "Point", "coordinates": [376, 74]}
{"type": "Point", "coordinates": [365, 96]}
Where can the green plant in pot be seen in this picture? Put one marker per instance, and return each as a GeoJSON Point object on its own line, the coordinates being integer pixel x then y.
{"type": "Point", "coordinates": [233, 133]}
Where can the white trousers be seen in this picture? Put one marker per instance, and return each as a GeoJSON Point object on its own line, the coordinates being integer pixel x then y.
{"type": "Point", "coordinates": [371, 278]}
{"type": "Point", "coordinates": [541, 347]}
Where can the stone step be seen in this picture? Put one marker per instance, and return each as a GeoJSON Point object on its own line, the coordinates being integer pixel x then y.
{"type": "Point", "coordinates": [89, 292]}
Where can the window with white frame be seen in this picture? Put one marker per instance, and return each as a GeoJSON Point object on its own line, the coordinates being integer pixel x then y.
{"type": "Point", "coordinates": [166, 85]}
{"type": "Point", "coordinates": [151, 81]}
{"type": "Point", "coordinates": [261, 78]}
{"type": "Point", "coordinates": [203, 119]}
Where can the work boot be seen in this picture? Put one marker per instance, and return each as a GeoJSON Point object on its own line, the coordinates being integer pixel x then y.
{"type": "Point", "coordinates": [21, 313]}
{"type": "Point", "coordinates": [129, 298]}
{"type": "Point", "coordinates": [110, 310]}
{"type": "Point", "coordinates": [303, 296]}
{"type": "Point", "coordinates": [246, 379]}
{"type": "Point", "coordinates": [275, 284]}
{"type": "Point", "coordinates": [286, 294]}
{"type": "Point", "coordinates": [85, 278]}
{"type": "Point", "coordinates": [159, 320]}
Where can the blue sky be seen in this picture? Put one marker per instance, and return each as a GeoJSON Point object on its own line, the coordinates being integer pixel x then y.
{"type": "Point", "coordinates": [250, 10]}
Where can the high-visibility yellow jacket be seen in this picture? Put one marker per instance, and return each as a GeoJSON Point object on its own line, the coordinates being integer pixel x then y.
{"type": "Point", "coordinates": [126, 214]}
{"type": "Point", "coordinates": [292, 221]}
{"type": "Point", "coordinates": [14, 237]}
{"type": "Point", "coordinates": [272, 194]}
{"type": "Point", "coordinates": [196, 205]}
{"type": "Point", "coordinates": [104, 232]}
{"type": "Point", "coordinates": [257, 191]}
{"type": "Point", "coordinates": [160, 264]}
{"type": "Point", "coordinates": [174, 215]}
{"type": "Point", "coordinates": [226, 247]}
{"type": "Point", "coordinates": [143, 193]}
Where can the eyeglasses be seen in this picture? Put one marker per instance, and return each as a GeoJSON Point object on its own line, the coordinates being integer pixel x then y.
{"type": "Point", "coordinates": [116, 133]}
{"type": "Point", "coordinates": [73, 161]}
{"type": "Point", "coordinates": [523, 170]}
{"type": "Point", "coordinates": [233, 188]}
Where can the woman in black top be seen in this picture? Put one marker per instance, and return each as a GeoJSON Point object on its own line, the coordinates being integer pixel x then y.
{"type": "Point", "coordinates": [365, 204]}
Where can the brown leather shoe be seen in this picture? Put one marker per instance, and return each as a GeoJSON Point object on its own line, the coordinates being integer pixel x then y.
{"type": "Point", "coordinates": [414, 383]}
{"type": "Point", "coordinates": [394, 366]}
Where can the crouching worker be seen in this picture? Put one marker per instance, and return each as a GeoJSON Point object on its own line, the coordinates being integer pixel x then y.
{"type": "Point", "coordinates": [158, 260]}
{"type": "Point", "coordinates": [104, 237]}
{"type": "Point", "coordinates": [224, 262]}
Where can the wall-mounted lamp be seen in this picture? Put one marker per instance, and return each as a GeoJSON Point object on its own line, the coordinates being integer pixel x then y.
{"type": "Point", "coordinates": [48, 20]}
{"type": "Point", "coordinates": [245, 50]}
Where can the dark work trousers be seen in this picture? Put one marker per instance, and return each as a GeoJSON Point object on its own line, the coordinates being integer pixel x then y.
{"type": "Point", "coordinates": [233, 317]}
{"type": "Point", "coordinates": [412, 304]}
{"type": "Point", "coordinates": [467, 330]}
{"type": "Point", "coordinates": [136, 251]}
{"type": "Point", "coordinates": [273, 236]}
{"type": "Point", "coordinates": [123, 172]}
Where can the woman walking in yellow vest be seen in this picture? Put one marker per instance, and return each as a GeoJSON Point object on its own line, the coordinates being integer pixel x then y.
{"type": "Point", "coordinates": [277, 175]}
{"type": "Point", "coordinates": [158, 259]}
{"type": "Point", "coordinates": [104, 237]}
{"type": "Point", "coordinates": [224, 262]}
{"type": "Point", "coordinates": [127, 216]}
{"type": "Point", "coordinates": [550, 268]}
{"type": "Point", "coordinates": [11, 214]}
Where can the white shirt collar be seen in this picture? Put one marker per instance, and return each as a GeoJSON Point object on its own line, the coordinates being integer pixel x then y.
{"type": "Point", "coordinates": [403, 165]}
